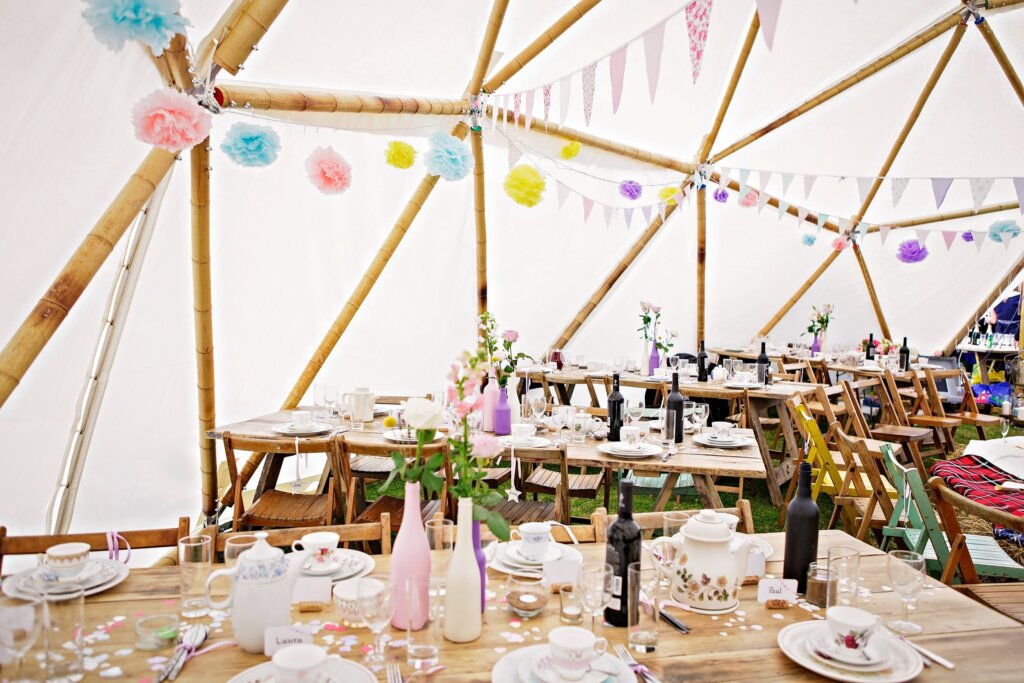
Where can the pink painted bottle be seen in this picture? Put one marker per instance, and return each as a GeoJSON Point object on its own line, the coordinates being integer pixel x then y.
{"type": "Point", "coordinates": [410, 564]}
{"type": "Point", "coordinates": [490, 402]}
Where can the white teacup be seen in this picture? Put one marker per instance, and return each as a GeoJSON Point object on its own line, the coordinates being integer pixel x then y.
{"type": "Point", "coordinates": [851, 628]}
{"type": "Point", "coordinates": [67, 559]}
{"type": "Point", "coordinates": [299, 663]}
{"type": "Point", "coordinates": [722, 429]}
{"type": "Point", "coordinates": [321, 545]}
{"type": "Point", "coordinates": [533, 539]}
{"type": "Point", "coordinates": [630, 436]}
{"type": "Point", "coordinates": [522, 433]}
{"type": "Point", "coordinates": [301, 418]}
{"type": "Point", "coordinates": [742, 377]}
{"type": "Point", "coordinates": [573, 650]}
{"type": "Point", "coordinates": [719, 374]}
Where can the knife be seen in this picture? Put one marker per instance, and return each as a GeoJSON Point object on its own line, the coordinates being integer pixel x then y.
{"type": "Point", "coordinates": [674, 622]}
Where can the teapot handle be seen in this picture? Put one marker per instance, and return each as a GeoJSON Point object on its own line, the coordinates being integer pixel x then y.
{"type": "Point", "coordinates": [658, 552]}
{"type": "Point", "coordinates": [219, 604]}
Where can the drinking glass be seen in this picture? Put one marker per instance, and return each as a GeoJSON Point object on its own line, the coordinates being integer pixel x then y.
{"type": "Point", "coordinates": [619, 363]}
{"type": "Point", "coordinates": [1004, 426]}
{"type": "Point", "coordinates": [906, 574]}
{"type": "Point", "coordinates": [701, 411]}
{"type": "Point", "coordinates": [580, 360]}
{"type": "Point", "coordinates": [684, 368]}
{"type": "Point", "coordinates": [668, 430]}
{"type": "Point", "coordinates": [440, 537]}
{"type": "Point", "coordinates": [377, 608]}
{"type": "Point", "coordinates": [423, 647]}
{"type": "Point", "coordinates": [596, 582]}
{"type": "Point", "coordinates": [21, 620]}
{"type": "Point", "coordinates": [195, 559]}
{"type": "Point", "coordinates": [558, 422]}
{"type": "Point", "coordinates": [673, 521]}
{"type": "Point", "coordinates": [820, 584]}
{"type": "Point", "coordinates": [688, 409]}
{"type": "Point", "coordinates": [570, 605]}
{"type": "Point", "coordinates": [645, 430]}
{"type": "Point", "coordinates": [539, 405]}
{"type": "Point", "coordinates": [526, 596]}
{"type": "Point", "coordinates": [844, 564]}
{"type": "Point", "coordinates": [579, 426]}
{"type": "Point", "coordinates": [673, 362]}
{"type": "Point", "coordinates": [644, 600]}
{"type": "Point", "coordinates": [319, 401]}
{"type": "Point", "coordinates": [331, 400]}
{"type": "Point", "coordinates": [64, 622]}
{"type": "Point", "coordinates": [235, 546]}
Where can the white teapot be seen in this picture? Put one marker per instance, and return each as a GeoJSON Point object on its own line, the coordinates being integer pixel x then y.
{"type": "Point", "coordinates": [704, 567]}
{"type": "Point", "coordinates": [262, 583]}
{"type": "Point", "coordinates": [360, 402]}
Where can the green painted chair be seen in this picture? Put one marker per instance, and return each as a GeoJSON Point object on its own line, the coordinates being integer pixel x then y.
{"type": "Point", "coordinates": [915, 523]}
{"type": "Point", "coordinates": [651, 485]}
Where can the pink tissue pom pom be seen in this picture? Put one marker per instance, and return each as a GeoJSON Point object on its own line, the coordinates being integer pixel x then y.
{"type": "Point", "coordinates": [749, 199]}
{"type": "Point", "coordinates": [170, 119]}
{"type": "Point", "coordinates": [328, 170]}
{"type": "Point", "coordinates": [840, 243]}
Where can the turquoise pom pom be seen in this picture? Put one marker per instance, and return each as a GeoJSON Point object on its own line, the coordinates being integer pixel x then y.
{"type": "Point", "coordinates": [249, 145]}
{"type": "Point", "coordinates": [448, 157]}
{"type": "Point", "coordinates": [153, 22]}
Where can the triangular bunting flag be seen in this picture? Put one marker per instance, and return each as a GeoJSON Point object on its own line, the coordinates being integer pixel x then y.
{"type": "Point", "coordinates": [563, 193]}
{"type": "Point", "coordinates": [940, 186]}
{"type": "Point", "coordinates": [661, 211]}
{"type": "Point", "coordinates": [979, 237]}
{"type": "Point", "coordinates": [609, 211]}
{"type": "Point", "coordinates": [801, 214]}
{"type": "Point", "coordinates": [588, 206]}
{"type": "Point", "coordinates": [844, 225]}
{"type": "Point", "coordinates": [768, 14]}
{"type": "Point", "coordinates": [617, 71]}
{"type": "Point", "coordinates": [744, 174]}
{"type": "Point", "coordinates": [564, 88]}
{"type": "Point", "coordinates": [762, 199]}
{"type": "Point", "coordinates": [1006, 245]}
{"type": "Point", "coordinates": [948, 236]}
{"type": "Point", "coordinates": [783, 208]}
{"type": "Point", "coordinates": [787, 178]}
{"type": "Point", "coordinates": [627, 214]}
{"type": "Point", "coordinates": [547, 104]}
{"type": "Point", "coordinates": [883, 232]}
{"type": "Point", "coordinates": [808, 184]}
{"type": "Point", "coordinates": [589, 83]}
{"type": "Point", "coordinates": [766, 177]}
{"type": "Point", "coordinates": [979, 190]}
{"type": "Point", "coordinates": [646, 209]}
{"type": "Point", "coordinates": [723, 176]}
{"type": "Point", "coordinates": [822, 220]}
{"type": "Point", "coordinates": [494, 112]}
{"type": "Point", "coordinates": [654, 42]}
{"type": "Point", "coordinates": [898, 185]}
{"type": "Point", "coordinates": [698, 16]}
{"type": "Point", "coordinates": [503, 105]}
{"type": "Point", "coordinates": [863, 187]}
{"type": "Point", "coordinates": [1018, 186]}
{"type": "Point", "coordinates": [922, 236]}
{"type": "Point", "coordinates": [514, 154]}
{"type": "Point", "coordinates": [529, 108]}
{"type": "Point", "coordinates": [517, 103]}
{"type": "Point", "coordinates": [679, 197]}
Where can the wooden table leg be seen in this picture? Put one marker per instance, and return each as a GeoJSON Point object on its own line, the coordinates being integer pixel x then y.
{"type": "Point", "coordinates": [270, 473]}
{"type": "Point", "coordinates": [759, 408]}
{"type": "Point", "coordinates": [705, 486]}
{"type": "Point", "coordinates": [666, 490]}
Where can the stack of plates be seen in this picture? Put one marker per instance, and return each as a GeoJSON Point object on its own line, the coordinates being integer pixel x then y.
{"type": "Point", "coordinates": [97, 576]}
{"type": "Point", "coordinates": [622, 450]}
{"type": "Point", "coordinates": [743, 385]}
{"type": "Point", "coordinates": [509, 558]}
{"type": "Point", "coordinates": [532, 665]}
{"type": "Point", "coordinates": [885, 660]}
{"type": "Point", "coordinates": [529, 442]}
{"type": "Point", "coordinates": [344, 564]}
{"type": "Point", "coordinates": [403, 436]}
{"type": "Point", "coordinates": [715, 441]}
{"type": "Point", "coordinates": [312, 429]}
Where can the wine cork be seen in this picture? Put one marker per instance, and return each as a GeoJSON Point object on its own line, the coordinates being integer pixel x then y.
{"type": "Point", "coordinates": [777, 604]}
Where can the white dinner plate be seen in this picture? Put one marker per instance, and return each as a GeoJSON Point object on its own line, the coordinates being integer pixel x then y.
{"type": "Point", "coordinates": [738, 443]}
{"type": "Point", "coordinates": [347, 570]}
{"type": "Point", "coordinates": [646, 450]}
{"type": "Point", "coordinates": [312, 429]}
{"type": "Point", "coordinates": [335, 669]}
{"type": "Point", "coordinates": [906, 663]}
{"type": "Point", "coordinates": [765, 547]}
{"type": "Point", "coordinates": [400, 436]}
{"type": "Point", "coordinates": [502, 563]}
{"type": "Point", "coordinates": [513, 551]}
{"type": "Point", "coordinates": [743, 385]}
{"type": "Point", "coordinates": [532, 442]}
{"type": "Point", "coordinates": [508, 668]}
{"type": "Point", "coordinates": [27, 583]}
{"type": "Point", "coordinates": [878, 652]}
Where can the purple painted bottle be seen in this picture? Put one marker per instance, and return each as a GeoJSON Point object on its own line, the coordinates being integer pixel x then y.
{"type": "Point", "coordinates": [502, 414]}
{"type": "Point", "coordinates": [481, 560]}
{"type": "Point", "coordinates": [816, 344]}
{"type": "Point", "coordinates": [655, 361]}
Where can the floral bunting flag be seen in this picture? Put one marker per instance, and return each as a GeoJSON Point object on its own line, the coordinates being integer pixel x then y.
{"type": "Point", "coordinates": [940, 186]}
{"type": "Point", "coordinates": [768, 14]}
{"type": "Point", "coordinates": [863, 187]}
{"type": "Point", "coordinates": [883, 232]}
{"type": "Point", "coordinates": [617, 72]}
{"type": "Point", "coordinates": [979, 190]}
{"type": "Point", "coordinates": [589, 82]}
{"type": "Point", "coordinates": [517, 102]}
{"type": "Point", "coordinates": [1018, 187]}
{"type": "Point", "coordinates": [563, 193]}
{"type": "Point", "coordinates": [698, 16]}
{"type": "Point", "coordinates": [654, 43]}
{"type": "Point", "coordinates": [504, 110]}
{"type": "Point", "coordinates": [898, 185]}
{"type": "Point", "coordinates": [949, 236]}
{"type": "Point", "coordinates": [547, 104]}
{"type": "Point", "coordinates": [808, 184]}
{"type": "Point", "coordinates": [564, 88]}
{"type": "Point", "coordinates": [588, 206]}
{"type": "Point", "coordinates": [530, 96]}
{"type": "Point", "coordinates": [787, 178]}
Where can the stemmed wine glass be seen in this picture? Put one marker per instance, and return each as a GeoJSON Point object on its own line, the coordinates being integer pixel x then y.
{"type": "Point", "coordinates": [906, 574]}
{"type": "Point", "coordinates": [634, 411]}
{"type": "Point", "coordinates": [377, 608]}
{"type": "Point", "coordinates": [21, 620]}
{"type": "Point", "coordinates": [538, 404]}
{"type": "Point", "coordinates": [1004, 426]}
{"type": "Point", "coordinates": [700, 416]}
{"type": "Point", "coordinates": [596, 581]}
{"type": "Point", "coordinates": [331, 400]}
{"type": "Point", "coordinates": [558, 422]}
{"type": "Point", "coordinates": [619, 363]}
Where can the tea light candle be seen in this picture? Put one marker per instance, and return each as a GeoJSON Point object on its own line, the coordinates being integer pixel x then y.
{"type": "Point", "coordinates": [571, 606]}
{"type": "Point", "coordinates": [156, 632]}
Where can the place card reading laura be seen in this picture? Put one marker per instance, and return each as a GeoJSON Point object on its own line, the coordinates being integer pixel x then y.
{"type": "Point", "coordinates": [277, 637]}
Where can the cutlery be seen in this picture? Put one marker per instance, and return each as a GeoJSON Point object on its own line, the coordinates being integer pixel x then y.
{"type": "Point", "coordinates": [674, 622]}
{"type": "Point", "coordinates": [194, 637]}
{"type": "Point", "coordinates": [394, 673]}
{"type": "Point", "coordinates": [927, 654]}
{"type": "Point", "coordinates": [635, 666]}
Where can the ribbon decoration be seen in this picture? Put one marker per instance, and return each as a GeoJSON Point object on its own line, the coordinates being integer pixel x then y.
{"type": "Point", "coordinates": [114, 547]}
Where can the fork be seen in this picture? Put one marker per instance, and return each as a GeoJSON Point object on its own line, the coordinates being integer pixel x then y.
{"type": "Point", "coordinates": [394, 673]}
{"type": "Point", "coordinates": [635, 666]}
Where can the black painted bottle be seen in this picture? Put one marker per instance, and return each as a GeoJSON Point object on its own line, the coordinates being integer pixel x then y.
{"type": "Point", "coordinates": [762, 365]}
{"type": "Point", "coordinates": [801, 531]}
{"type": "Point", "coordinates": [904, 356]}
{"type": "Point", "coordinates": [615, 406]}
{"type": "Point", "coordinates": [675, 402]}
{"type": "Point", "coordinates": [622, 550]}
{"type": "Point", "coordinates": [702, 363]}
{"type": "Point", "coordinates": [869, 352]}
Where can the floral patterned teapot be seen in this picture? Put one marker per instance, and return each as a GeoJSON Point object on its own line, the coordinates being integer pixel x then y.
{"type": "Point", "coordinates": [702, 564]}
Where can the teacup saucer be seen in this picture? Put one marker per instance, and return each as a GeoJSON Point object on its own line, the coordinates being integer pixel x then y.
{"type": "Point", "coordinates": [554, 551]}
{"type": "Point", "coordinates": [46, 577]}
{"type": "Point", "coordinates": [875, 657]}
{"type": "Point", "coordinates": [328, 566]}
{"type": "Point", "coordinates": [544, 669]}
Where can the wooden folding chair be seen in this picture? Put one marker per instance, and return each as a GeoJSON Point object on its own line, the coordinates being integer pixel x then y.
{"type": "Point", "coordinates": [655, 521]}
{"type": "Point", "coordinates": [966, 406]}
{"type": "Point", "coordinates": [138, 539]}
{"type": "Point", "coordinates": [376, 469]}
{"type": "Point", "coordinates": [872, 501]}
{"type": "Point", "coordinates": [887, 426]}
{"type": "Point", "coordinates": [378, 532]}
{"type": "Point", "coordinates": [517, 512]}
{"type": "Point", "coordinates": [920, 412]}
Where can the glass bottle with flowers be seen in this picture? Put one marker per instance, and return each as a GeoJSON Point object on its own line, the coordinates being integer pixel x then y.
{"type": "Point", "coordinates": [505, 361]}
{"type": "Point", "coordinates": [650, 315]}
{"type": "Point", "coordinates": [818, 326]}
{"type": "Point", "coordinates": [665, 342]}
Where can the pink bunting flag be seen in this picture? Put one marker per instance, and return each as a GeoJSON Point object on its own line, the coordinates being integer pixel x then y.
{"type": "Point", "coordinates": [563, 193]}
{"type": "Point", "coordinates": [898, 185]}
{"type": "Point", "coordinates": [564, 92]}
{"type": "Point", "coordinates": [627, 214]}
{"type": "Point", "coordinates": [588, 206]}
{"type": "Point", "coordinates": [979, 237]}
{"type": "Point", "coordinates": [940, 186]}
{"type": "Point", "coordinates": [1018, 187]}
{"type": "Point", "coordinates": [768, 14]}
{"type": "Point", "coordinates": [863, 187]}
{"type": "Point", "coordinates": [646, 209]}
{"type": "Point", "coordinates": [547, 104]}
{"type": "Point", "coordinates": [949, 236]}
{"type": "Point", "coordinates": [530, 96]}
{"type": "Point", "coordinates": [654, 43]}
{"type": "Point", "coordinates": [979, 190]}
{"type": "Point", "coordinates": [698, 16]}
{"type": "Point", "coordinates": [609, 213]}
{"type": "Point", "coordinates": [514, 153]}
{"type": "Point", "coordinates": [589, 82]}
{"type": "Point", "coordinates": [808, 184]}
{"type": "Point", "coordinates": [617, 72]}
{"type": "Point", "coordinates": [883, 232]}
{"type": "Point", "coordinates": [517, 102]}
{"type": "Point", "coordinates": [679, 197]}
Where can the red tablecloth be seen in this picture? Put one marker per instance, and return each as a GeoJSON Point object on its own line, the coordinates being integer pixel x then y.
{"type": "Point", "coordinates": [975, 478]}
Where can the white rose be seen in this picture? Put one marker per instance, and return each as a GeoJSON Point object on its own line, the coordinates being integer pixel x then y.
{"type": "Point", "coordinates": [421, 413]}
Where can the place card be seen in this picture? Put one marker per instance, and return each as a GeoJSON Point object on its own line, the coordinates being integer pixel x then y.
{"type": "Point", "coordinates": [776, 589]}
{"type": "Point", "coordinates": [565, 570]}
{"type": "Point", "coordinates": [277, 637]}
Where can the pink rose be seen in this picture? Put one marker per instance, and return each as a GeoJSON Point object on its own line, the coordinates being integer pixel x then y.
{"type": "Point", "coordinates": [655, 309]}
{"type": "Point", "coordinates": [510, 336]}
{"type": "Point", "coordinates": [485, 445]}
{"type": "Point", "coordinates": [453, 394]}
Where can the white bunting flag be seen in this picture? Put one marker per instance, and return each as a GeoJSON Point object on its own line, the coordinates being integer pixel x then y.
{"type": "Point", "coordinates": [783, 208]}
{"type": "Point", "coordinates": [627, 214]}
{"type": "Point", "coordinates": [766, 177]}
{"type": "Point", "coordinates": [563, 193]}
{"type": "Point", "coordinates": [494, 112]}
{"type": "Point", "coordinates": [654, 42]}
{"type": "Point", "coordinates": [808, 184]}
{"type": "Point", "coordinates": [514, 153]}
{"type": "Point", "coordinates": [979, 237]}
{"type": "Point", "coordinates": [679, 197]}
{"type": "Point", "coordinates": [768, 14]}
{"type": "Point", "coordinates": [787, 178]}
{"type": "Point", "coordinates": [588, 206]}
{"type": "Point", "coordinates": [744, 174]}
{"type": "Point", "coordinates": [724, 174]}
{"type": "Point", "coordinates": [940, 186]}
{"type": "Point", "coordinates": [564, 94]}
{"type": "Point", "coordinates": [883, 232]}
{"type": "Point", "coordinates": [503, 103]}
{"type": "Point", "coordinates": [897, 185]}
{"type": "Point", "coordinates": [1018, 187]}
{"type": "Point", "coordinates": [762, 199]}
{"type": "Point", "coordinates": [979, 190]}
{"type": "Point", "coordinates": [801, 214]}
{"type": "Point", "coordinates": [609, 212]}
{"type": "Point", "coordinates": [530, 96]}
{"type": "Point", "coordinates": [617, 72]}
{"type": "Point", "coordinates": [646, 210]}
{"type": "Point", "coordinates": [922, 236]}
{"type": "Point", "coordinates": [863, 187]}
{"type": "Point", "coordinates": [844, 225]}
{"type": "Point", "coordinates": [661, 211]}
{"type": "Point", "coordinates": [948, 236]}
{"type": "Point", "coordinates": [1006, 245]}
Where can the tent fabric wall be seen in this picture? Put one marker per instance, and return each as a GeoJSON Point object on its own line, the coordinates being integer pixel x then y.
{"type": "Point", "coordinates": [285, 257]}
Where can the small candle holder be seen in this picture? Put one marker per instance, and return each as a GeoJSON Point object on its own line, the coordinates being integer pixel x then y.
{"type": "Point", "coordinates": [157, 632]}
{"type": "Point", "coordinates": [571, 605]}
{"type": "Point", "coordinates": [527, 597]}
{"type": "Point", "coordinates": [820, 583]}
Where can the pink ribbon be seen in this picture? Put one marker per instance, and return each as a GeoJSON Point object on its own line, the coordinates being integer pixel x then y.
{"type": "Point", "coordinates": [114, 547]}
{"type": "Point", "coordinates": [191, 652]}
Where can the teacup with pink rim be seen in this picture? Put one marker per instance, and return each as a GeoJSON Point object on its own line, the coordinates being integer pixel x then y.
{"type": "Point", "coordinates": [573, 650]}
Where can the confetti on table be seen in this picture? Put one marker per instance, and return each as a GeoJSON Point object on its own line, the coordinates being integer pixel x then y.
{"type": "Point", "coordinates": [123, 652]}
{"type": "Point", "coordinates": [112, 672]}
{"type": "Point", "coordinates": [714, 618]}
{"type": "Point", "coordinates": [366, 649]}
{"type": "Point", "coordinates": [756, 627]}
{"type": "Point", "coordinates": [778, 616]}
{"type": "Point", "coordinates": [398, 643]}
{"type": "Point", "coordinates": [515, 624]}
{"type": "Point", "coordinates": [723, 634]}
{"type": "Point", "coordinates": [156, 660]}
{"type": "Point", "coordinates": [817, 616]}
{"type": "Point", "coordinates": [740, 613]}
{"type": "Point", "coordinates": [329, 626]}
{"type": "Point", "coordinates": [743, 628]}
{"type": "Point", "coordinates": [138, 613]}
{"type": "Point", "coordinates": [170, 601]}
{"type": "Point", "coordinates": [501, 650]}
{"type": "Point", "coordinates": [145, 679]}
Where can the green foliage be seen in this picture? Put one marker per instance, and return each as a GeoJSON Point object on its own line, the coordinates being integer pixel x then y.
{"type": "Point", "coordinates": [416, 469]}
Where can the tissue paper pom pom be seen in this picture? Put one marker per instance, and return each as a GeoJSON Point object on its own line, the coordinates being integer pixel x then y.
{"type": "Point", "coordinates": [840, 243]}
{"type": "Point", "coordinates": [721, 195]}
{"type": "Point", "coordinates": [967, 236]}
{"type": "Point", "coordinates": [749, 199]}
{"type": "Point", "coordinates": [630, 189]}
{"type": "Point", "coordinates": [448, 157]}
{"type": "Point", "coordinates": [153, 22]}
{"type": "Point", "coordinates": [912, 251]}
{"type": "Point", "coordinates": [524, 185]}
{"type": "Point", "coordinates": [571, 150]}
{"type": "Point", "coordinates": [170, 119]}
{"type": "Point", "coordinates": [1003, 231]}
{"type": "Point", "coordinates": [668, 194]}
{"type": "Point", "coordinates": [249, 145]}
{"type": "Point", "coordinates": [808, 240]}
{"type": "Point", "coordinates": [328, 170]}
{"type": "Point", "coordinates": [400, 154]}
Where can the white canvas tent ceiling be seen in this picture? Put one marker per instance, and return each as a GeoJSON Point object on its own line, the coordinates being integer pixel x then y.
{"type": "Point", "coordinates": [285, 257]}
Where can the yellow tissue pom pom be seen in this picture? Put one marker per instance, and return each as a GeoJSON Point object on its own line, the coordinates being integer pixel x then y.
{"type": "Point", "coordinates": [400, 154]}
{"type": "Point", "coordinates": [571, 150]}
{"type": "Point", "coordinates": [525, 185]}
{"type": "Point", "coordinates": [390, 422]}
{"type": "Point", "coordinates": [667, 194]}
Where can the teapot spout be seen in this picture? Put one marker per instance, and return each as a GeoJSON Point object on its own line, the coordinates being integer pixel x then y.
{"type": "Point", "coordinates": [741, 555]}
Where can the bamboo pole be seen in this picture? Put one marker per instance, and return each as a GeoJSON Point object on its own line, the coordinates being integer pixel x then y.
{"type": "Point", "coordinates": [202, 306]}
{"type": "Point", "coordinates": [1000, 55]}
{"type": "Point", "coordinates": [56, 302]}
{"type": "Point", "coordinates": [730, 90]}
{"type": "Point", "coordinates": [476, 138]}
{"type": "Point", "coordinates": [798, 294]}
{"type": "Point", "coordinates": [483, 59]}
{"type": "Point", "coordinates": [702, 218]}
{"type": "Point", "coordinates": [268, 98]}
{"type": "Point", "coordinates": [539, 44]}
{"type": "Point", "coordinates": [250, 23]}
{"type": "Point", "coordinates": [948, 216]}
{"type": "Point", "coordinates": [872, 294]}
{"type": "Point", "coordinates": [987, 303]}
{"type": "Point", "coordinates": [918, 40]}
{"type": "Point", "coordinates": [173, 63]}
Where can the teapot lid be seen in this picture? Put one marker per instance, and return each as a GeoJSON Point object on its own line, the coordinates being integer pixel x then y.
{"type": "Point", "coordinates": [261, 551]}
{"type": "Point", "coordinates": [707, 525]}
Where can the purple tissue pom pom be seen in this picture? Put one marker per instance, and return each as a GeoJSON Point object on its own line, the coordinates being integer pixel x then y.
{"type": "Point", "coordinates": [630, 189]}
{"type": "Point", "coordinates": [912, 251]}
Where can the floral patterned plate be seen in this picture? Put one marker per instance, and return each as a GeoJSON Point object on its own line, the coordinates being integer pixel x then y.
{"type": "Point", "coordinates": [879, 656]}
{"type": "Point", "coordinates": [906, 664]}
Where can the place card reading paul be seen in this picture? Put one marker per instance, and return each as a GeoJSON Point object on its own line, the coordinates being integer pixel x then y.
{"type": "Point", "coordinates": [776, 589]}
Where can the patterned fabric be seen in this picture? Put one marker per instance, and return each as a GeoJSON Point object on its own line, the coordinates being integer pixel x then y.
{"type": "Point", "coordinates": [589, 82]}
{"type": "Point", "coordinates": [698, 16]}
{"type": "Point", "coordinates": [975, 478]}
